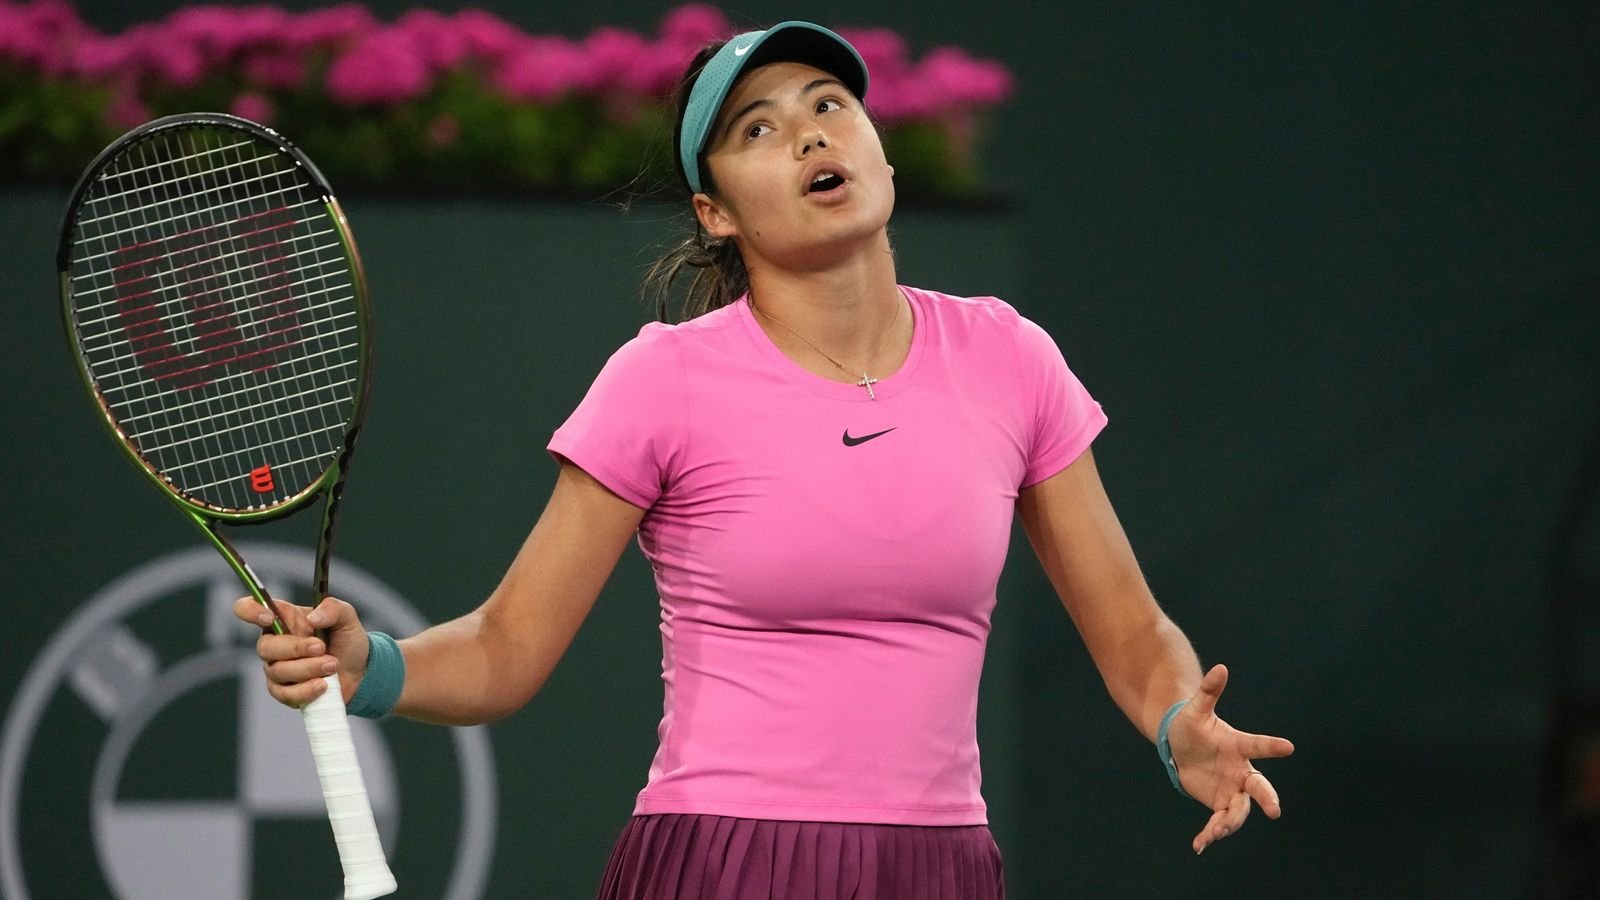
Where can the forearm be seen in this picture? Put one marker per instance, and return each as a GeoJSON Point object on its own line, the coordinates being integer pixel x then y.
{"type": "Point", "coordinates": [466, 672]}
{"type": "Point", "coordinates": [1145, 660]}
{"type": "Point", "coordinates": [1150, 668]}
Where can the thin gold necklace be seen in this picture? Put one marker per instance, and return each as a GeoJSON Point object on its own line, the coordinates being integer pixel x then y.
{"type": "Point", "coordinates": [867, 381]}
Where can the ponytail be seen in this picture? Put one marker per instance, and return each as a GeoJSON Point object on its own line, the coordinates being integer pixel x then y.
{"type": "Point", "coordinates": [719, 276]}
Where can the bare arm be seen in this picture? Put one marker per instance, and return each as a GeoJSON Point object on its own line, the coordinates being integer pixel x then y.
{"type": "Point", "coordinates": [1145, 660]}
{"type": "Point", "coordinates": [489, 662]}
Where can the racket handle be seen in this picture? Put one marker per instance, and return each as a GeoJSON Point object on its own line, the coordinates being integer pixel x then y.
{"type": "Point", "coordinates": [366, 872]}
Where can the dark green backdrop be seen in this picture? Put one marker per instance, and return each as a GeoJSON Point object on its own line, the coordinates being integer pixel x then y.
{"type": "Point", "coordinates": [1331, 272]}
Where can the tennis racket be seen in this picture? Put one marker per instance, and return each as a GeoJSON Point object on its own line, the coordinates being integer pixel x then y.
{"type": "Point", "coordinates": [218, 313]}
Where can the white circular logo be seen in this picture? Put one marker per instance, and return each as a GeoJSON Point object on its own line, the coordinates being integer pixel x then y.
{"type": "Point", "coordinates": [142, 748]}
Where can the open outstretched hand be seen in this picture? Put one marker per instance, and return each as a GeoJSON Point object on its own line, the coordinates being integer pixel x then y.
{"type": "Point", "coordinates": [1214, 762]}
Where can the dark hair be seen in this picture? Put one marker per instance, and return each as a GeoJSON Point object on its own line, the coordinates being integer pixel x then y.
{"type": "Point", "coordinates": [720, 277]}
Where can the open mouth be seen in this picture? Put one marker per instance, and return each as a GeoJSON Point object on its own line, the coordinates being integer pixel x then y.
{"type": "Point", "coordinates": [825, 181]}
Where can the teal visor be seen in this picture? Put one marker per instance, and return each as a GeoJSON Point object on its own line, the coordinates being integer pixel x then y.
{"type": "Point", "coordinates": [800, 42]}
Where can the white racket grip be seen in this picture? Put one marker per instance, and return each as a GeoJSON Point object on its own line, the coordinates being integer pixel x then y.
{"type": "Point", "coordinates": [366, 872]}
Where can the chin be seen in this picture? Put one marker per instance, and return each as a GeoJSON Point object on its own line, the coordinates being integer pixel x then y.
{"type": "Point", "coordinates": [870, 209]}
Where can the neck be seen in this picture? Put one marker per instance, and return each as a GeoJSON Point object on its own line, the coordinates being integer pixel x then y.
{"type": "Point", "coordinates": [844, 308]}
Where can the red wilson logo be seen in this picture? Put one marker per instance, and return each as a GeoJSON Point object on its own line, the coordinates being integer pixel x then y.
{"type": "Point", "coordinates": [261, 479]}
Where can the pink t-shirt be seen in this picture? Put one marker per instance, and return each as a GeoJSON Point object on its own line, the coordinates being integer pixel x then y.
{"type": "Point", "coordinates": [827, 562]}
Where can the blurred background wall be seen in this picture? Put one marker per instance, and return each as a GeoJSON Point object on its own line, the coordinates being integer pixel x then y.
{"type": "Point", "coordinates": [1333, 273]}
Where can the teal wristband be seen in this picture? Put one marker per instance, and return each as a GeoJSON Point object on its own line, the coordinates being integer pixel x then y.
{"type": "Point", "coordinates": [385, 676]}
{"type": "Point", "coordinates": [1163, 749]}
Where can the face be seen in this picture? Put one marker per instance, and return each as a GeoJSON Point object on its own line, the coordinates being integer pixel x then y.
{"type": "Point", "coordinates": [798, 168]}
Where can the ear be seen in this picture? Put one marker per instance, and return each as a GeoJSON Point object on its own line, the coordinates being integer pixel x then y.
{"type": "Point", "coordinates": [714, 217]}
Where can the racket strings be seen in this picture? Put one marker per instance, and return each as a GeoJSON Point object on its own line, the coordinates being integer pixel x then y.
{"type": "Point", "coordinates": [117, 357]}
{"type": "Point", "coordinates": [149, 198]}
{"type": "Point", "coordinates": [218, 321]}
{"type": "Point", "coordinates": [314, 375]}
{"type": "Point", "coordinates": [114, 286]}
{"type": "Point", "coordinates": [215, 426]}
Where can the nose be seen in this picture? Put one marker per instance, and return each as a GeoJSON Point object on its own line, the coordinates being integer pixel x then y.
{"type": "Point", "coordinates": [812, 139]}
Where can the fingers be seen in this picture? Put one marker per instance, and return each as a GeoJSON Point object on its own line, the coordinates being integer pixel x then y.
{"type": "Point", "coordinates": [1264, 746]}
{"type": "Point", "coordinates": [1263, 793]}
{"type": "Point", "coordinates": [292, 672]}
{"type": "Point", "coordinates": [1224, 822]}
{"type": "Point", "coordinates": [297, 694]}
{"type": "Point", "coordinates": [248, 609]}
{"type": "Point", "coordinates": [1205, 699]}
{"type": "Point", "coordinates": [274, 648]}
{"type": "Point", "coordinates": [1233, 777]}
{"type": "Point", "coordinates": [333, 614]}
{"type": "Point", "coordinates": [297, 661]}
{"type": "Point", "coordinates": [295, 666]}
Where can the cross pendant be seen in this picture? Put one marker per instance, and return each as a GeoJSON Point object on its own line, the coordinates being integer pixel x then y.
{"type": "Point", "coordinates": [867, 381]}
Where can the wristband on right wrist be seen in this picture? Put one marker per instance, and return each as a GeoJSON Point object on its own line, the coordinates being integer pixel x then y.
{"type": "Point", "coordinates": [385, 676]}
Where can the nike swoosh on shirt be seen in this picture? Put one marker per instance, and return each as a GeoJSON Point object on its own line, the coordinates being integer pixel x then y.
{"type": "Point", "coordinates": [852, 441]}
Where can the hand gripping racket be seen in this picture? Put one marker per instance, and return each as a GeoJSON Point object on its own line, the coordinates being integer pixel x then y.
{"type": "Point", "coordinates": [218, 311]}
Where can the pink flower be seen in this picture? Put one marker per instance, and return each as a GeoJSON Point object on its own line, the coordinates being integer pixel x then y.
{"type": "Point", "coordinates": [218, 32]}
{"type": "Point", "coordinates": [963, 80]}
{"type": "Point", "coordinates": [436, 37]}
{"type": "Point", "coordinates": [126, 110]}
{"type": "Point", "coordinates": [947, 84]}
{"type": "Point", "coordinates": [328, 26]}
{"type": "Point", "coordinates": [253, 106]}
{"type": "Point", "coordinates": [695, 25]}
{"type": "Point", "coordinates": [443, 130]}
{"type": "Point", "coordinates": [16, 40]}
{"type": "Point", "coordinates": [620, 59]}
{"type": "Point", "coordinates": [36, 33]}
{"type": "Point", "coordinates": [275, 69]}
{"type": "Point", "coordinates": [383, 67]}
{"type": "Point", "coordinates": [20, 41]}
{"type": "Point", "coordinates": [902, 100]}
{"type": "Point", "coordinates": [174, 62]}
{"type": "Point", "coordinates": [260, 24]}
{"type": "Point", "coordinates": [56, 18]}
{"type": "Point", "coordinates": [97, 57]}
{"type": "Point", "coordinates": [544, 69]}
{"type": "Point", "coordinates": [663, 64]}
{"type": "Point", "coordinates": [882, 50]}
{"type": "Point", "coordinates": [488, 36]}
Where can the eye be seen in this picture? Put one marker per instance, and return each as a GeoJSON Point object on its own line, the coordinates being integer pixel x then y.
{"type": "Point", "coordinates": [829, 105]}
{"type": "Point", "coordinates": [756, 130]}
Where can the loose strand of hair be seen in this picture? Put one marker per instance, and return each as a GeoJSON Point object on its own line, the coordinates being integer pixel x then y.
{"type": "Point", "coordinates": [718, 278]}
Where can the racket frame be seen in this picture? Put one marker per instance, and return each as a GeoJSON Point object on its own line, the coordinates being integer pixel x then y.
{"type": "Point", "coordinates": [207, 516]}
{"type": "Point", "coordinates": [367, 874]}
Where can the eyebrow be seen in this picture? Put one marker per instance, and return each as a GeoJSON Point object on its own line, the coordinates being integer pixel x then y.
{"type": "Point", "coordinates": [757, 104]}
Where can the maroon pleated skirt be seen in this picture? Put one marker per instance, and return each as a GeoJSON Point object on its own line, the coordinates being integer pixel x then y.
{"type": "Point", "coordinates": [694, 857]}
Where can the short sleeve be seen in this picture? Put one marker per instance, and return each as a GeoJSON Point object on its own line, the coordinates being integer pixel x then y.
{"type": "Point", "coordinates": [628, 431]}
{"type": "Point", "coordinates": [1066, 419]}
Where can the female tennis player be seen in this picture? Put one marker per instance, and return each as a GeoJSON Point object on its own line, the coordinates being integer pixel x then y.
{"type": "Point", "coordinates": [822, 466]}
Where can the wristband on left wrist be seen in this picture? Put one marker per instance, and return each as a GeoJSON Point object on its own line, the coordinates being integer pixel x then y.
{"type": "Point", "coordinates": [1164, 749]}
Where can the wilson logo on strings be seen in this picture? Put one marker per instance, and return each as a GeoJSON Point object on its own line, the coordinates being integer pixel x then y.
{"type": "Point", "coordinates": [261, 480]}
{"type": "Point", "coordinates": [190, 289]}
